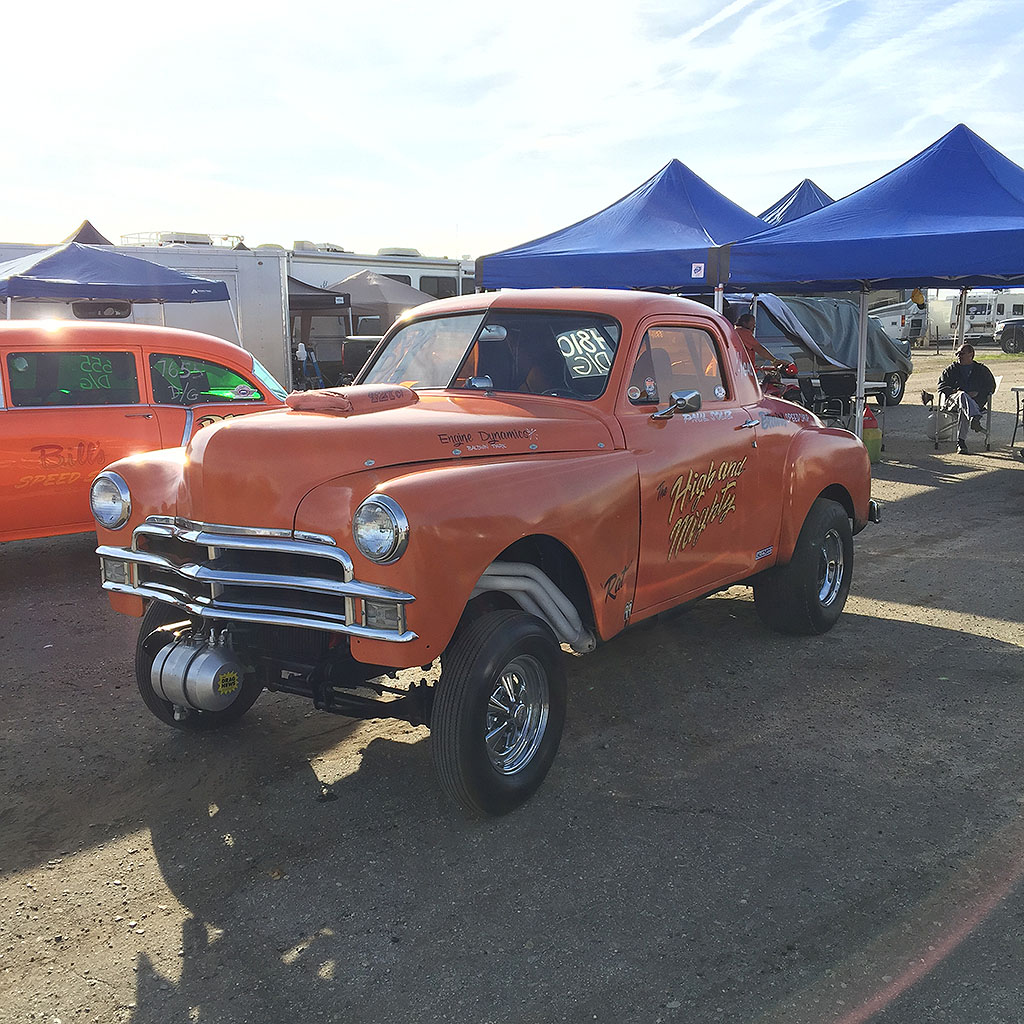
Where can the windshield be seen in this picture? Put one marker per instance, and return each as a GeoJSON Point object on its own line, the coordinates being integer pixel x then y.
{"type": "Point", "coordinates": [424, 353]}
{"type": "Point", "coordinates": [566, 354]}
{"type": "Point", "coordinates": [267, 379]}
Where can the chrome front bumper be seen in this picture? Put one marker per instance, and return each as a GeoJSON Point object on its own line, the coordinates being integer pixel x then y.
{"type": "Point", "coordinates": [249, 575]}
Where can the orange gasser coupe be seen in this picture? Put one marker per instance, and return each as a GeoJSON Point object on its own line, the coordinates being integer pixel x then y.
{"type": "Point", "coordinates": [76, 396]}
{"type": "Point", "coordinates": [513, 476]}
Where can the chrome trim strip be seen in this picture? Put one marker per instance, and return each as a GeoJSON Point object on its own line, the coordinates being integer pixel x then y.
{"type": "Point", "coordinates": [243, 531]}
{"type": "Point", "coordinates": [315, 538]}
{"type": "Point", "coordinates": [262, 615]}
{"type": "Point", "coordinates": [186, 432]}
{"type": "Point", "coordinates": [176, 522]}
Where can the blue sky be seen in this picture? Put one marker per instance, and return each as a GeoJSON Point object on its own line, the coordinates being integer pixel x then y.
{"type": "Point", "coordinates": [462, 129]}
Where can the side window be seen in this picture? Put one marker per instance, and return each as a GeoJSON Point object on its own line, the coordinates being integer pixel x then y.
{"type": "Point", "coordinates": [1018, 309]}
{"type": "Point", "coordinates": [183, 380]}
{"type": "Point", "coordinates": [439, 287]}
{"type": "Point", "coordinates": [999, 309]}
{"type": "Point", "coordinates": [72, 378]}
{"type": "Point", "coordinates": [400, 278]}
{"type": "Point", "coordinates": [677, 359]}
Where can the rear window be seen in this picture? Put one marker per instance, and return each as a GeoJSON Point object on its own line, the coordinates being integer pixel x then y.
{"type": "Point", "coordinates": [43, 379]}
{"type": "Point", "coordinates": [183, 380]}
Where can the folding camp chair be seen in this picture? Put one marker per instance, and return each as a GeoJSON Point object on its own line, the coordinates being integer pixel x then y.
{"type": "Point", "coordinates": [943, 418]}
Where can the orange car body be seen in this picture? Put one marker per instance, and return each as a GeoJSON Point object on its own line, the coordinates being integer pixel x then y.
{"type": "Point", "coordinates": [76, 396]}
{"type": "Point", "coordinates": [639, 512]}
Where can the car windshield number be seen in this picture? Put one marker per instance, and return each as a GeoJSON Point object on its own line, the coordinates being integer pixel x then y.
{"type": "Point", "coordinates": [586, 352]}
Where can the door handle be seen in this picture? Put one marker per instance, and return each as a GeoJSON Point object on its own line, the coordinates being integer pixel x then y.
{"type": "Point", "coordinates": [138, 415]}
{"type": "Point", "coordinates": [748, 424]}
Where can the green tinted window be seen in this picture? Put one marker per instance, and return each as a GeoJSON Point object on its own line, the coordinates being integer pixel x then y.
{"type": "Point", "coordinates": [183, 380]}
{"type": "Point", "coordinates": [72, 378]}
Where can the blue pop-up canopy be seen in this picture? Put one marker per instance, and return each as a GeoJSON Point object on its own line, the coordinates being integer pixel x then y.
{"type": "Point", "coordinates": [76, 271]}
{"type": "Point", "coordinates": [797, 202]}
{"type": "Point", "coordinates": [950, 217]}
{"type": "Point", "coordinates": [658, 236]}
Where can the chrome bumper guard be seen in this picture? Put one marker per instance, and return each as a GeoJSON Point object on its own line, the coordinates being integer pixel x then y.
{"type": "Point", "coordinates": [269, 577]}
{"type": "Point", "coordinates": [874, 511]}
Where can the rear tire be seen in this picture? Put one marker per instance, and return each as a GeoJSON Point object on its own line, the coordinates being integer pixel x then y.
{"type": "Point", "coordinates": [806, 596]}
{"type": "Point", "coordinates": [895, 389]}
{"type": "Point", "coordinates": [159, 625]}
{"type": "Point", "coordinates": [499, 709]}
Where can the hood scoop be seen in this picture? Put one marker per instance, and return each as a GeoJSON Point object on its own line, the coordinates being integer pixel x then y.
{"type": "Point", "coordinates": [352, 401]}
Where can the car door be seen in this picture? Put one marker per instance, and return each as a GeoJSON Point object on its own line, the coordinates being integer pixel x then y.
{"type": "Point", "coordinates": [66, 415]}
{"type": "Point", "coordinates": [698, 472]}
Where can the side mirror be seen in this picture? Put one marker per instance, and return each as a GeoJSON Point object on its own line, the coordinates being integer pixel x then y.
{"type": "Point", "coordinates": [493, 332]}
{"type": "Point", "coordinates": [483, 383]}
{"type": "Point", "coordinates": [679, 401]}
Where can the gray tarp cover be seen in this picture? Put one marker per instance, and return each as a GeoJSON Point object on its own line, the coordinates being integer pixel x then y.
{"type": "Point", "coordinates": [828, 327]}
{"type": "Point", "coordinates": [834, 324]}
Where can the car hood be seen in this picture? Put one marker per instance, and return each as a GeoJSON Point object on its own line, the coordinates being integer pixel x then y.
{"type": "Point", "coordinates": [254, 470]}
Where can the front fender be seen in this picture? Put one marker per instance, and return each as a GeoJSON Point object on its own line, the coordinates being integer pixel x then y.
{"type": "Point", "coordinates": [462, 515]}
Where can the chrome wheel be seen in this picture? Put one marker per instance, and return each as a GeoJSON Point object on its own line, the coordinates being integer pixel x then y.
{"type": "Point", "coordinates": [517, 714]}
{"type": "Point", "coordinates": [830, 568]}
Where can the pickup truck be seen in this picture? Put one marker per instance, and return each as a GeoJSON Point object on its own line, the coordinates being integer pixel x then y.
{"type": "Point", "coordinates": [513, 476]}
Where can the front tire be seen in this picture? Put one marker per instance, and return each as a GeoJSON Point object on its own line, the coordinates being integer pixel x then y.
{"type": "Point", "coordinates": [895, 389]}
{"type": "Point", "coordinates": [806, 596]}
{"type": "Point", "coordinates": [1011, 341]}
{"type": "Point", "coordinates": [499, 709]}
{"type": "Point", "coordinates": [159, 625]}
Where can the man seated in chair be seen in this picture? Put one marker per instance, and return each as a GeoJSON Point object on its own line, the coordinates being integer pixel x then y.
{"type": "Point", "coordinates": [967, 387]}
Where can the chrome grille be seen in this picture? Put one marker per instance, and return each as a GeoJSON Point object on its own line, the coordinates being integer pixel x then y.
{"type": "Point", "coordinates": [250, 575]}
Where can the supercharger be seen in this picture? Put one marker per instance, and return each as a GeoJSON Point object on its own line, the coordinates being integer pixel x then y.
{"type": "Point", "coordinates": [198, 671]}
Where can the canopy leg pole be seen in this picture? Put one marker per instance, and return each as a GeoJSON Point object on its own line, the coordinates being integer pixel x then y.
{"type": "Point", "coordinates": [719, 297]}
{"type": "Point", "coordinates": [961, 320]}
{"type": "Point", "coordinates": [862, 361]}
{"type": "Point", "coordinates": [163, 315]}
{"type": "Point", "coordinates": [234, 322]}
{"type": "Point", "coordinates": [8, 307]}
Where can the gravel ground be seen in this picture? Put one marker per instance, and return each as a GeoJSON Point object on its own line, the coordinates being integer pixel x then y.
{"type": "Point", "coordinates": [739, 826]}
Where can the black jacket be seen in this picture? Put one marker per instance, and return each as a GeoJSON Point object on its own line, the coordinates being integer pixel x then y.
{"type": "Point", "coordinates": [979, 380]}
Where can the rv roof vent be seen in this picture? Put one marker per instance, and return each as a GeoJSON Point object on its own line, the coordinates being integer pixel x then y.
{"type": "Point", "coordinates": [184, 238]}
{"type": "Point", "coordinates": [332, 247]}
{"type": "Point", "coordinates": [303, 246]}
{"type": "Point", "coordinates": [399, 252]}
{"type": "Point", "coordinates": [270, 245]}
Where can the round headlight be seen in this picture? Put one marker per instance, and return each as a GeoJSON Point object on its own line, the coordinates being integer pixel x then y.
{"type": "Point", "coordinates": [110, 501]}
{"type": "Point", "coordinates": [380, 529]}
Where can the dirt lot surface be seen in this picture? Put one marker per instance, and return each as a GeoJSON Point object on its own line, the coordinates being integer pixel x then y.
{"type": "Point", "coordinates": [739, 827]}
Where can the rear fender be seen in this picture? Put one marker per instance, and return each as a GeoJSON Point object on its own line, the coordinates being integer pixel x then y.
{"type": "Point", "coordinates": [832, 464]}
